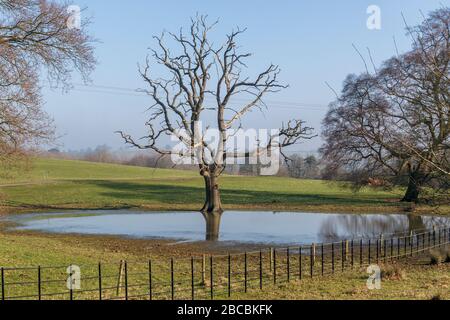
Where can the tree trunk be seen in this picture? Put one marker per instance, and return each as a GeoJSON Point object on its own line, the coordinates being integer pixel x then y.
{"type": "Point", "coordinates": [412, 193]}
{"type": "Point", "coordinates": [213, 202]}
{"type": "Point", "coordinates": [212, 209]}
{"type": "Point", "coordinates": [207, 193]}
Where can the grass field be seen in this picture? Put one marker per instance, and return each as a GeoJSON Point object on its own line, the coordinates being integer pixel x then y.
{"type": "Point", "coordinates": [63, 184]}
{"type": "Point", "coordinates": [413, 278]}
{"type": "Point", "coordinates": [60, 184]}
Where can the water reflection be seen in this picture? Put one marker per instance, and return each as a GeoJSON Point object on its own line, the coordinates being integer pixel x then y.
{"type": "Point", "coordinates": [343, 226]}
{"type": "Point", "coordinates": [212, 221]}
{"type": "Point", "coordinates": [278, 228]}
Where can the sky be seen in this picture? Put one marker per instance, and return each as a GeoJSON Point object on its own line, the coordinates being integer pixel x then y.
{"type": "Point", "coordinates": [311, 41]}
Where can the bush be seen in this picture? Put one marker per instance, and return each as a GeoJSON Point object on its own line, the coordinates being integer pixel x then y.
{"type": "Point", "coordinates": [435, 257]}
{"type": "Point", "coordinates": [393, 272]}
{"type": "Point", "coordinates": [447, 255]}
{"type": "Point", "coordinates": [436, 297]}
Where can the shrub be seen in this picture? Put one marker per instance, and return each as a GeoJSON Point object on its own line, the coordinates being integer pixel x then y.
{"type": "Point", "coordinates": [447, 255]}
{"type": "Point", "coordinates": [394, 272]}
{"type": "Point", "coordinates": [436, 297]}
{"type": "Point", "coordinates": [435, 257]}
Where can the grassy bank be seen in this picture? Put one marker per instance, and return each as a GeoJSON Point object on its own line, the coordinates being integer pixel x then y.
{"type": "Point", "coordinates": [414, 281]}
{"type": "Point", "coordinates": [58, 184]}
{"type": "Point", "coordinates": [62, 184]}
{"type": "Point", "coordinates": [414, 278]}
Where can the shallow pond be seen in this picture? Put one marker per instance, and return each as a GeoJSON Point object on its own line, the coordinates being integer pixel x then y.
{"type": "Point", "coordinates": [235, 226]}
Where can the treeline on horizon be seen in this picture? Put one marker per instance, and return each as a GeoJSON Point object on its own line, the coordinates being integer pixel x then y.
{"type": "Point", "coordinates": [307, 166]}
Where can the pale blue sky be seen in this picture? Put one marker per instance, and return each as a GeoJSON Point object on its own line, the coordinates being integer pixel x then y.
{"type": "Point", "coordinates": [310, 40]}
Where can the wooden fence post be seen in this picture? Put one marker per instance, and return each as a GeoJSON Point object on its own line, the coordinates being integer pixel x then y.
{"type": "Point", "coordinates": [361, 257]}
{"type": "Point", "coordinates": [343, 254]}
{"type": "Point", "coordinates": [351, 254]}
{"type": "Point", "coordinates": [126, 280]}
{"type": "Point", "coordinates": [260, 270]}
{"type": "Point", "coordinates": [300, 262]}
{"type": "Point", "coordinates": [172, 284]}
{"type": "Point", "coordinates": [347, 251]}
{"type": "Point", "coordinates": [323, 259]}
{"type": "Point", "coordinates": [405, 247]}
{"type": "Point", "coordinates": [434, 236]}
{"type": "Point", "coordinates": [417, 243]}
{"type": "Point", "coordinates": [288, 267]}
{"type": "Point", "coordinates": [274, 266]}
{"type": "Point", "coordinates": [150, 280]}
{"type": "Point", "coordinates": [100, 295]}
{"type": "Point", "coordinates": [429, 239]}
{"type": "Point", "coordinates": [411, 243]}
{"type": "Point", "coordinates": [3, 283]}
{"type": "Point", "coordinates": [204, 269]}
{"type": "Point", "coordinates": [211, 264]}
{"type": "Point", "coordinates": [378, 250]}
{"type": "Point", "coordinates": [119, 280]}
{"type": "Point", "coordinates": [311, 259]}
{"type": "Point", "coordinates": [332, 257]}
{"type": "Point", "coordinates": [39, 283]}
{"type": "Point", "coordinates": [71, 284]}
{"type": "Point", "coordinates": [245, 272]}
{"type": "Point", "coordinates": [271, 259]}
{"type": "Point", "coordinates": [392, 248]}
{"type": "Point", "coordinates": [192, 279]}
{"type": "Point", "coordinates": [229, 275]}
{"type": "Point", "coordinates": [370, 245]}
{"type": "Point", "coordinates": [314, 253]}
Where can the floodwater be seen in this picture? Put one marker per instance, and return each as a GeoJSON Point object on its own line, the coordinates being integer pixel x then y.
{"type": "Point", "coordinates": [279, 228]}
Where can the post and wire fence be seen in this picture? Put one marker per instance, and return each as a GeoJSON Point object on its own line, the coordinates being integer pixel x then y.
{"type": "Point", "coordinates": [212, 276]}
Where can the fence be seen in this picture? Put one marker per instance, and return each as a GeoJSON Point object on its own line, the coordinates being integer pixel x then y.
{"type": "Point", "coordinates": [210, 277]}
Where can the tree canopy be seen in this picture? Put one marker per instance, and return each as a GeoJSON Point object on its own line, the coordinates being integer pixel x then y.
{"type": "Point", "coordinates": [394, 124]}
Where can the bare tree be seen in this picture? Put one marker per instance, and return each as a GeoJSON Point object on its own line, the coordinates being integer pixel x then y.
{"type": "Point", "coordinates": [203, 79]}
{"type": "Point", "coordinates": [34, 35]}
{"type": "Point", "coordinates": [395, 124]}
{"type": "Point", "coordinates": [304, 168]}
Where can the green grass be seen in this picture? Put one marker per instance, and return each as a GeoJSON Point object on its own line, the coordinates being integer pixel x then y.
{"type": "Point", "coordinates": [42, 170]}
{"type": "Point", "coordinates": [64, 184]}
{"type": "Point", "coordinates": [61, 184]}
{"type": "Point", "coordinates": [418, 280]}
{"type": "Point", "coordinates": [421, 282]}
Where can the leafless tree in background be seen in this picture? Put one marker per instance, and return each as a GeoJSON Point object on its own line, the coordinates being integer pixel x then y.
{"type": "Point", "coordinates": [304, 167]}
{"type": "Point", "coordinates": [34, 36]}
{"type": "Point", "coordinates": [203, 79]}
{"type": "Point", "coordinates": [394, 125]}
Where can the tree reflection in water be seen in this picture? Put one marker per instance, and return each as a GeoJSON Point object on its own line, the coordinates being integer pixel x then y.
{"type": "Point", "coordinates": [212, 221]}
{"type": "Point", "coordinates": [338, 227]}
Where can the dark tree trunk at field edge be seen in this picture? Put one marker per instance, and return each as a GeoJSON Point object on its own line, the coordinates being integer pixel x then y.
{"type": "Point", "coordinates": [212, 209]}
{"type": "Point", "coordinates": [413, 191]}
{"type": "Point", "coordinates": [213, 202]}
